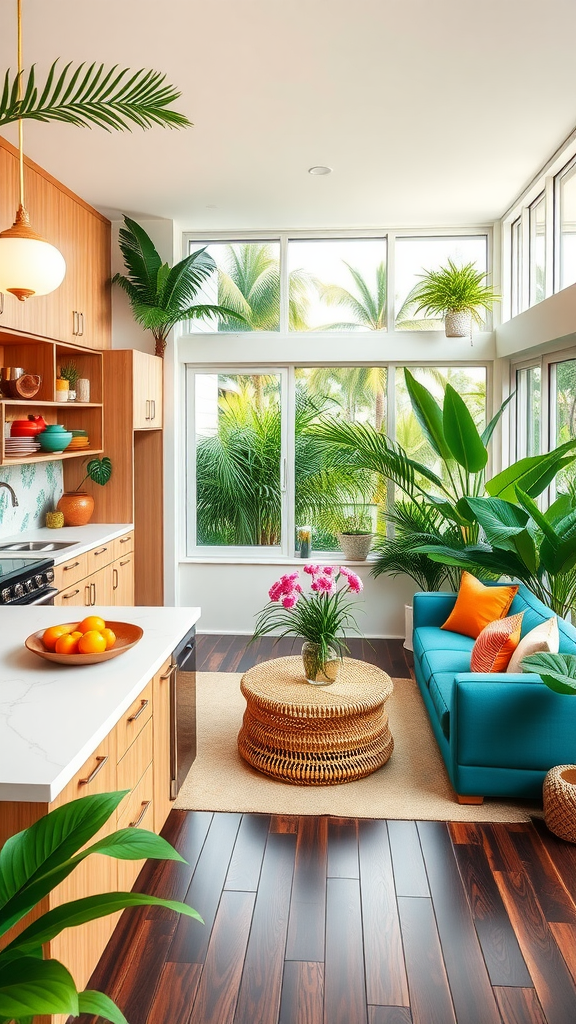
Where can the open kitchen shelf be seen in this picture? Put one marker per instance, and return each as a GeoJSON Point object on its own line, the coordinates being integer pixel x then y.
{"type": "Point", "coordinates": [46, 358]}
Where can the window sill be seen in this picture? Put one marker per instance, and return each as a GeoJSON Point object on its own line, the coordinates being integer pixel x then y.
{"type": "Point", "coordinates": [317, 559]}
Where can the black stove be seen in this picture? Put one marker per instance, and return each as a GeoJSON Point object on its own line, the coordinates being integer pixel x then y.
{"type": "Point", "coordinates": [26, 581]}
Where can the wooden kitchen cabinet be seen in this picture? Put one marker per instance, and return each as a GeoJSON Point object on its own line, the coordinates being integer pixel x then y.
{"type": "Point", "coordinates": [97, 577]}
{"type": "Point", "coordinates": [123, 581]}
{"type": "Point", "coordinates": [79, 310]}
{"type": "Point", "coordinates": [146, 390]}
{"type": "Point", "coordinates": [161, 736]}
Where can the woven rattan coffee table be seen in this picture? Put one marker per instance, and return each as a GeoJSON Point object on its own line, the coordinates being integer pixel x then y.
{"type": "Point", "coordinates": [315, 735]}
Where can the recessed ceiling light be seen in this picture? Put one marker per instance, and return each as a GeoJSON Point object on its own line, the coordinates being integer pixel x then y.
{"type": "Point", "coordinates": [211, 206]}
{"type": "Point", "coordinates": [320, 169]}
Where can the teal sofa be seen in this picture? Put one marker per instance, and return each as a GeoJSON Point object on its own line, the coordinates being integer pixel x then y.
{"type": "Point", "coordinates": [498, 733]}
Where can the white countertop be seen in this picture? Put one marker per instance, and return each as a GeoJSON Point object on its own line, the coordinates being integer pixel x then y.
{"type": "Point", "coordinates": [82, 538]}
{"type": "Point", "coordinates": [52, 716]}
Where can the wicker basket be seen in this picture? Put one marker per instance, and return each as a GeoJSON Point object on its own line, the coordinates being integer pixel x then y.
{"type": "Point", "coordinates": [559, 796]}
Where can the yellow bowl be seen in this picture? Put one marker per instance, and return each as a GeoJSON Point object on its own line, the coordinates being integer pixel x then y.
{"type": "Point", "coordinates": [127, 636]}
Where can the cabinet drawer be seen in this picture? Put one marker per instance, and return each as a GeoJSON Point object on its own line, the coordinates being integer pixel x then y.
{"type": "Point", "coordinates": [137, 812]}
{"type": "Point", "coordinates": [97, 774]}
{"type": "Point", "coordinates": [134, 719]}
{"type": "Point", "coordinates": [76, 595]}
{"type": "Point", "coordinates": [132, 766]}
{"type": "Point", "coordinates": [123, 544]}
{"type": "Point", "coordinates": [68, 573]}
{"type": "Point", "coordinates": [100, 556]}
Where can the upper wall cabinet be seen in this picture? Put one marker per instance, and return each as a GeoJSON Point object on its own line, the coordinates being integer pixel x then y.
{"type": "Point", "coordinates": [79, 310]}
{"type": "Point", "coordinates": [147, 391]}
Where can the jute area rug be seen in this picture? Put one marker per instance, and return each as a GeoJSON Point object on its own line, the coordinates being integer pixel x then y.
{"type": "Point", "coordinates": [413, 785]}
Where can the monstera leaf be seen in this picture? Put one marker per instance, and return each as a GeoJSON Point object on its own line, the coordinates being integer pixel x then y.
{"type": "Point", "coordinates": [558, 671]}
{"type": "Point", "coordinates": [99, 470]}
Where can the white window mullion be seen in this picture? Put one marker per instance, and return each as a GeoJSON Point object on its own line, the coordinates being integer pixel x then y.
{"type": "Point", "coordinates": [289, 455]}
{"type": "Point", "coordinates": [390, 278]}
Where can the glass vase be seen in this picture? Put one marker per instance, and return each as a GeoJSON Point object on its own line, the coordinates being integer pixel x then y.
{"type": "Point", "coordinates": [319, 672]}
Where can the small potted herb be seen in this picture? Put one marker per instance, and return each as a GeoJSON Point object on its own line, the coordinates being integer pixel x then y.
{"type": "Point", "coordinates": [71, 373]}
{"type": "Point", "coordinates": [355, 536]}
{"type": "Point", "coordinates": [457, 294]}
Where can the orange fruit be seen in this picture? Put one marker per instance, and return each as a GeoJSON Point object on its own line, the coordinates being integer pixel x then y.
{"type": "Point", "coordinates": [51, 635]}
{"type": "Point", "coordinates": [91, 622]}
{"type": "Point", "coordinates": [76, 634]}
{"type": "Point", "coordinates": [92, 642]}
{"type": "Point", "coordinates": [110, 638]}
{"type": "Point", "coordinates": [67, 644]}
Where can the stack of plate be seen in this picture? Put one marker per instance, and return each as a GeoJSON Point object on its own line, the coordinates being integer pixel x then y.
{"type": "Point", "coordinates": [80, 439]}
{"type": "Point", "coordinates": [19, 446]}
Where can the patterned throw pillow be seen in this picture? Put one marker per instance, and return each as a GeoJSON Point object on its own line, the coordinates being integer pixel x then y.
{"type": "Point", "coordinates": [477, 605]}
{"type": "Point", "coordinates": [496, 644]}
{"type": "Point", "coordinates": [544, 637]}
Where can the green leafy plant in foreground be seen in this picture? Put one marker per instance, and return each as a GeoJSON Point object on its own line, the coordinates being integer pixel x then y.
{"type": "Point", "coordinates": [98, 470]}
{"type": "Point", "coordinates": [32, 864]}
{"type": "Point", "coordinates": [558, 671]}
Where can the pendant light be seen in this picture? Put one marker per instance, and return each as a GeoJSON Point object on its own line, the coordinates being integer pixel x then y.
{"type": "Point", "coordinates": [29, 265]}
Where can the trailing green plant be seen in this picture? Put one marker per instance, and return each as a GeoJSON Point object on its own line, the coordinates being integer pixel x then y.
{"type": "Point", "coordinates": [90, 95]}
{"type": "Point", "coordinates": [454, 289]}
{"type": "Point", "coordinates": [462, 452]}
{"type": "Point", "coordinates": [97, 470]}
{"type": "Point", "coordinates": [162, 296]}
{"type": "Point", "coordinates": [32, 864]}
{"type": "Point", "coordinates": [522, 542]}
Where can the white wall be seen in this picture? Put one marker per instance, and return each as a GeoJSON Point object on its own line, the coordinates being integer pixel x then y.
{"type": "Point", "coordinates": [126, 333]}
{"type": "Point", "coordinates": [231, 595]}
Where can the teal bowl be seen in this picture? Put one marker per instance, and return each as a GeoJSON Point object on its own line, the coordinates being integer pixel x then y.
{"type": "Point", "coordinates": [55, 441]}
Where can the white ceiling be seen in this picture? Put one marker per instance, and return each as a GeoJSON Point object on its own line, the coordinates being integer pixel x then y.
{"type": "Point", "coordinates": [430, 112]}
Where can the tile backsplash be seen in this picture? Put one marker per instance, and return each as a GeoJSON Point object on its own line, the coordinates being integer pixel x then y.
{"type": "Point", "coordinates": [38, 486]}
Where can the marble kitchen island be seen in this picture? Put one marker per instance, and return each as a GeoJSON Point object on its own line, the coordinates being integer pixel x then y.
{"type": "Point", "coordinates": [70, 731]}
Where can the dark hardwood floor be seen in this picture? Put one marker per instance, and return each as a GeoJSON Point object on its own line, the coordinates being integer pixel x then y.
{"type": "Point", "coordinates": [349, 921]}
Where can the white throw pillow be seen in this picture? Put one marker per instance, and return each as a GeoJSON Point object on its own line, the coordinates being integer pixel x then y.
{"type": "Point", "coordinates": [544, 637]}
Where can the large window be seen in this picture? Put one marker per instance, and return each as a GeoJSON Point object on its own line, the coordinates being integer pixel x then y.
{"type": "Point", "coordinates": [416, 255]}
{"type": "Point", "coordinates": [563, 413]}
{"type": "Point", "coordinates": [337, 284]}
{"type": "Point", "coordinates": [257, 474]}
{"type": "Point", "coordinates": [566, 192]}
{"type": "Point", "coordinates": [246, 280]}
{"type": "Point", "coordinates": [538, 250]}
{"type": "Point", "coordinates": [528, 411]}
{"type": "Point", "coordinates": [516, 267]}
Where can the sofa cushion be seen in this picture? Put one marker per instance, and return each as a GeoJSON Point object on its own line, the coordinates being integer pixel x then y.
{"type": "Point", "coordinates": [440, 687]}
{"type": "Point", "coordinates": [496, 644]}
{"type": "Point", "coordinates": [477, 605]}
{"type": "Point", "coordinates": [432, 638]}
{"type": "Point", "coordinates": [544, 637]}
{"type": "Point", "coordinates": [445, 661]}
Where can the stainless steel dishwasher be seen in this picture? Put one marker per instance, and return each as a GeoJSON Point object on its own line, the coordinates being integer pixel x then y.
{"type": "Point", "coordinates": [182, 711]}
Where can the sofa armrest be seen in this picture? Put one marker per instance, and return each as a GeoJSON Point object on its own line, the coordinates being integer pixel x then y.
{"type": "Point", "coordinates": [432, 608]}
{"type": "Point", "coordinates": [497, 677]}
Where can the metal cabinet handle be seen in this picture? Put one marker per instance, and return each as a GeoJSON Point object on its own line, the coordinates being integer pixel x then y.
{"type": "Point", "coordinates": [74, 322]}
{"type": "Point", "coordinates": [143, 705]}
{"type": "Point", "coordinates": [125, 562]}
{"type": "Point", "coordinates": [72, 566]}
{"type": "Point", "coordinates": [145, 805]}
{"type": "Point", "coordinates": [169, 673]}
{"type": "Point", "coordinates": [100, 762]}
{"type": "Point", "coordinates": [1, 303]}
{"type": "Point", "coordinates": [88, 595]}
{"type": "Point", "coordinates": [100, 551]}
{"type": "Point", "coordinates": [153, 404]}
{"type": "Point", "coordinates": [115, 579]}
{"type": "Point", "coordinates": [125, 540]}
{"type": "Point", "coordinates": [82, 331]}
{"type": "Point", "coordinates": [147, 416]}
{"type": "Point", "coordinates": [66, 597]}
{"type": "Point", "coordinates": [92, 593]}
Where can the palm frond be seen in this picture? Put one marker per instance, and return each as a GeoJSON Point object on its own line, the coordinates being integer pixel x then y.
{"type": "Point", "coordinates": [141, 260]}
{"type": "Point", "coordinates": [186, 278]}
{"type": "Point", "coordinates": [90, 96]}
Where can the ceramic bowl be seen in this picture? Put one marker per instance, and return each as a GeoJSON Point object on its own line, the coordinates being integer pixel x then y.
{"type": "Point", "coordinates": [54, 441]}
{"type": "Point", "coordinates": [127, 636]}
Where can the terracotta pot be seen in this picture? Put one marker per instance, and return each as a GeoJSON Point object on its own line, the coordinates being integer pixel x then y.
{"type": "Point", "coordinates": [77, 507]}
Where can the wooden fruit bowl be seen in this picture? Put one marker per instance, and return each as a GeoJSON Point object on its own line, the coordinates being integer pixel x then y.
{"type": "Point", "coordinates": [127, 636]}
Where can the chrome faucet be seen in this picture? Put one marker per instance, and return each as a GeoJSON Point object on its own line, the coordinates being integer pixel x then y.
{"type": "Point", "coordinates": [11, 489]}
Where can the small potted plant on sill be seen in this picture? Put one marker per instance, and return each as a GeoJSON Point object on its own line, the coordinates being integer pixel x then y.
{"type": "Point", "coordinates": [321, 618]}
{"type": "Point", "coordinates": [78, 506]}
{"type": "Point", "coordinates": [355, 536]}
{"type": "Point", "coordinates": [457, 294]}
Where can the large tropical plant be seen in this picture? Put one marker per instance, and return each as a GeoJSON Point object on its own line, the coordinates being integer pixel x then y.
{"type": "Point", "coordinates": [522, 542]}
{"type": "Point", "coordinates": [32, 864]}
{"type": "Point", "coordinates": [91, 95]}
{"type": "Point", "coordinates": [462, 452]}
{"type": "Point", "coordinates": [162, 296]}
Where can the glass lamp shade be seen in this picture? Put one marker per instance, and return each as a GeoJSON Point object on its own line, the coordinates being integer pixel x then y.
{"type": "Point", "coordinates": [29, 265]}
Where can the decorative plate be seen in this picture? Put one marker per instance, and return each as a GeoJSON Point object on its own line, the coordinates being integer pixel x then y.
{"type": "Point", "coordinates": [127, 636]}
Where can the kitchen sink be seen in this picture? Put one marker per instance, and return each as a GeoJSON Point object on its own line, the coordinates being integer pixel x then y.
{"type": "Point", "coordinates": [38, 545]}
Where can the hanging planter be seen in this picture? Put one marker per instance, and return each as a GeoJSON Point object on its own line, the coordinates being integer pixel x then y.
{"type": "Point", "coordinates": [457, 294]}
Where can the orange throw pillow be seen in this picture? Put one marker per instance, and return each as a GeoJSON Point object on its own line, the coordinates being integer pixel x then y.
{"type": "Point", "coordinates": [496, 644]}
{"type": "Point", "coordinates": [477, 605]}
